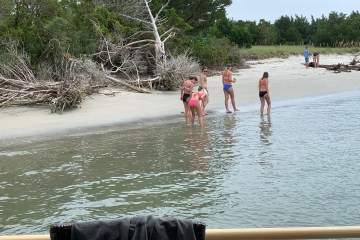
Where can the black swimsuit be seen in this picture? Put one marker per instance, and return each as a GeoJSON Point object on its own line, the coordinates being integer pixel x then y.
{"type": "Point", "coordinates": [185, 97]}
{"type": "Point", "coordinates": [262, 93]}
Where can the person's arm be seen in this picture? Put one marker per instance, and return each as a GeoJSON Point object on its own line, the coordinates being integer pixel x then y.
{"type": "Point", "coordinates": [181, 93]}
{"type": "Point", "coordinates": [259, 84]}
{"type": "Point", "coordinates": [201, 80]}
{"type": "Point", "coordinates": [222, 77]}
{"type": "Point", "coordinates": [267, 86]}
{"type": "Point", "coordinates": [191, 91]}
{"type": "Point", "coordinates": [231, 79]}
{"type": "Point", "coordinates": [203, 96]}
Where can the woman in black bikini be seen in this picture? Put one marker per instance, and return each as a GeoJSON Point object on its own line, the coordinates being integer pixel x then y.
{"type": "Point", "coordinates": [264, 93]}
{"type": "Point", "coordinates": [185, 95]}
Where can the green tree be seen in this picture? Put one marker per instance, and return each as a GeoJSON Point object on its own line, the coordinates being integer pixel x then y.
{"type": "Point", "coordinates": [200, 14]}
{"type": "Point", "coordinates": [267, 33]}
{"type": "Point", "coordinates": [303, 27]}
{"type": "Point", "coordinates": [287, 32]}
{"type": "Point", "coordinates": [352, 27]}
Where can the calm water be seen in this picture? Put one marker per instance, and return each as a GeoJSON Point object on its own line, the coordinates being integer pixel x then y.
{"type": "Point", "coordinates": [298, 168]}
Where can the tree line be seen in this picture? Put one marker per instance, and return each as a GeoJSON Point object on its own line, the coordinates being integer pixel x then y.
{"type": "Point", "coordinates": [46, 28]}
{"type": "Point", "coordinates": [335, 30]}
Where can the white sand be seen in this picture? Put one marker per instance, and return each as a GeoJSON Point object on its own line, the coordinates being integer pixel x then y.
{"type": "Point", "coordinates": [289, 79]}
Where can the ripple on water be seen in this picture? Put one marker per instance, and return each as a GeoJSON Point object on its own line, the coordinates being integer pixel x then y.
{"type": "Point", "coordinates": [297, 168]}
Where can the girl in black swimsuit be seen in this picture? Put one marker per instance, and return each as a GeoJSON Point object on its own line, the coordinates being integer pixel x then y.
{"type": "Point", "coordinates": [185, 94]}
{"type": "Point", "coordinates": [264, 94]}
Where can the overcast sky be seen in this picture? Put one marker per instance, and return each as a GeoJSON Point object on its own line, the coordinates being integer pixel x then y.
{"type": "Point", "coordinates": [271, 10]}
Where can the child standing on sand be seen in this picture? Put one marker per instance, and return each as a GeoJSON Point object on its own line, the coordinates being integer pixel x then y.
{"type": "Point", "coordinates": [307, 56]}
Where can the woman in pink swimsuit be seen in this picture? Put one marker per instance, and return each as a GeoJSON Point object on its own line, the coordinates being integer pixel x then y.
{"type": "Point", "coordinates": [195, 105]}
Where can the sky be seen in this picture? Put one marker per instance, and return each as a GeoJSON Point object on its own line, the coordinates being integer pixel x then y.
{"type": "Point", "coordinates": [271, 10]}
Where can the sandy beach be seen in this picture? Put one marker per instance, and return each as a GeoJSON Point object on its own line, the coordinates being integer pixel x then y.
{"type": "Point", "coordinates": [289, 79]}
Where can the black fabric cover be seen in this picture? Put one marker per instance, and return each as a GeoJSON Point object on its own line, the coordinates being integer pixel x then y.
{"type": "Point", "coordinates": [134, 228]}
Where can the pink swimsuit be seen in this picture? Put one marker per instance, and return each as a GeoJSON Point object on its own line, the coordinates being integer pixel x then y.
{"type": "Point", "coordinates": [192, 102]}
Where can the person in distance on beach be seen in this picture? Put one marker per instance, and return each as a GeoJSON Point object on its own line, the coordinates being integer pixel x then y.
{"type": "Point", "coordinates": [316, 57]}
{"type": "Point", "coordinates": [195, 103]}
{"type": "Point", "coordinates": [264, 93]}
{"type": "Point", "coordinates": [185, 95]}
{"type": "Point", "coordinates": [307, 56]}
{"type": "Point", "coordinates": [204, 87]}
{"type": "Point", "coordinates": [227, 80]}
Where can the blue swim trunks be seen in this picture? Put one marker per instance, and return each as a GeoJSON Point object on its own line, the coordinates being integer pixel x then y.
{"type": "Point", "coordinates": [306, 59]}
{"type": "Point", "coordinates": [227, 87]}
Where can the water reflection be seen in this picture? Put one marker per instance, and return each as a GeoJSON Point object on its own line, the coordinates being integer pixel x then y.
{"type": "Point", "coordinates": [230, 134]}
{"type": "Point", "coordinates": [265, 142]}
{"type": "Point", "coordinates": [265, 130]}
{"type": "Point", "coordinates": [198, 146]}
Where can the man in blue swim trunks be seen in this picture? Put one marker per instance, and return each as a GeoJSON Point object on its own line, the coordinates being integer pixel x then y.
{"type": "Point", "coordinates": [227, 80]}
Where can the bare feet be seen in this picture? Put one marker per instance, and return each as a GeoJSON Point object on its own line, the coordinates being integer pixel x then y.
{"type": "Point", "coordinates": [228, 111]}
{"type": "Point", "coordinates": [236, 110]}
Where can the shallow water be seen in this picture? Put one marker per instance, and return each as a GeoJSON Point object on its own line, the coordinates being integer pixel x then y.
{"type": "Point", "coordinates": [298, 168]}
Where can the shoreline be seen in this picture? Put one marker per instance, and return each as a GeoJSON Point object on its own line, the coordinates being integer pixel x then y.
{"type": "Point", "coordinates": [289, 80]}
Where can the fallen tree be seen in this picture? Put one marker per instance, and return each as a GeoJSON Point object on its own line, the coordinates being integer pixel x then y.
{"type": "Point", "coordinates": [341, 67]}
{"type": "Point", "coordinates": [338, 68]}
{"type": "Point", "coordinates": [19, 86]}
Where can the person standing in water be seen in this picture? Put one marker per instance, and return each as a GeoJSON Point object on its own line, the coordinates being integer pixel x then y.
{"type": "Point", "coordinates": [195, 103]}
{"type": "Point", "coordinates": [264, 93]}
{"type": "Point", "coordinates": [204, 88]}
{"type": "Point", "coordinates": [185, 95]}
{"type": "Point", "coordinates": [227, 80]}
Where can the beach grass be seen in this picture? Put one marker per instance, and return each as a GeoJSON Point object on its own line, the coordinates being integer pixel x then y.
{"type": "Point", "coordinates": [260, 52]}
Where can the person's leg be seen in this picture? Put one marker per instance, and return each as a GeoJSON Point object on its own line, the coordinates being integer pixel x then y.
{"type": "Point", "coordinates": [317, 60]}
{"type": "Point", "coordinates": [204, 103]}
{"type": "Point", "coordinates": [262, 105]}
{"type": "Point", "coordinates": [199, 113]}
{"type": "Point", "coordinates": [268, 102]}
{"type": "Point", "coordinates": [187, 111]}
{"type": "Point", "coordinates": [192, 118]}
{"type": "Point", "coordinates": [314, 60]}
{"type": "Point", "coordinates": [226, 94]}
{"type": "Point", "coordinates": [232, 97]}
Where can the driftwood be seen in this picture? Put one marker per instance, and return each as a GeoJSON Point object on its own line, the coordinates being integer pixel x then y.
{"type": "Point", "coordinates": [338, 68]}
{"type": "Point", "coordinates": [59, 96]}
{"type": "Point", "coordinates": [137, 89]}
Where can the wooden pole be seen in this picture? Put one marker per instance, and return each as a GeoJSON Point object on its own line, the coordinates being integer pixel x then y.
{"type": "Point", "coordinates": [253, 233]}
{"type": "Point", "coordinates": [283, 233]}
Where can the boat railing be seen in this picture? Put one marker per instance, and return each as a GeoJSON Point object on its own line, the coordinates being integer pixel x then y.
{"type": "Point", "coordinates": [253, 233]}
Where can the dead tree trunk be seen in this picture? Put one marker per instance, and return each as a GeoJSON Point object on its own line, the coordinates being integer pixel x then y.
{"type": "Point", "coordinates": [159, 39]}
